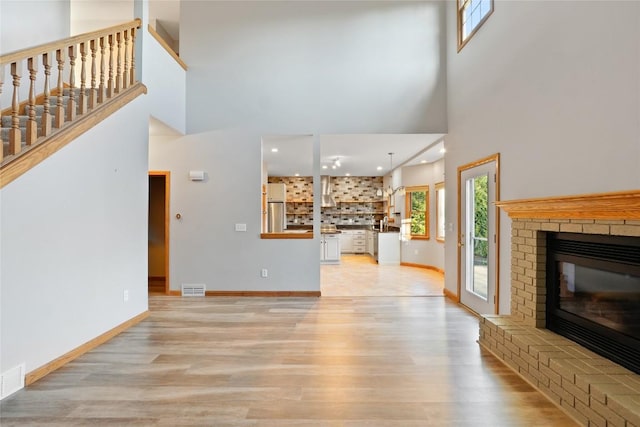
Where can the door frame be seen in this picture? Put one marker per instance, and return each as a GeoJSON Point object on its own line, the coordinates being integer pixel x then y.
{"type": "Point", "coordinates": [167, 222]}
{"type": "Point", "coordinates": [492, 158]}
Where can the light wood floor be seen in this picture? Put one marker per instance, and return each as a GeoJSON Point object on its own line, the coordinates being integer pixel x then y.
{"type": "Point", "coordinates": [359, 275]}
{"type": "Point", "coordinates": [288, 362]}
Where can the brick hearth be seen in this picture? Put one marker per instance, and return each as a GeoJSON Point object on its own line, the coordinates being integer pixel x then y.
{"type": "Point", "coordinates": [591, 388]}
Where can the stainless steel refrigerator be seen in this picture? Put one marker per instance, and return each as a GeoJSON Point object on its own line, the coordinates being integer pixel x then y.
{"type": "Point", "coordinates": [277, 217]}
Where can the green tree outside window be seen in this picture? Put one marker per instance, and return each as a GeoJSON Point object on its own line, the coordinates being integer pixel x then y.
{"type": "Point", "coordinates": [417, 209]}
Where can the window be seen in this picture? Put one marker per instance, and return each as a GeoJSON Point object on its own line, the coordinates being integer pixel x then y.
{"type": "Point", "coordinates": [440, 212]}
{"type": "Point", "coordinates": [417, 211]}
{"type": "Point", "coordinates": [471, 16]}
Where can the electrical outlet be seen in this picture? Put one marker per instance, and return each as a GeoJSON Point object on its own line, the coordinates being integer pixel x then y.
{"type": "Point", "coordinates": [125, 295]}
{"type": "Point", "coordinates": [264, 273]}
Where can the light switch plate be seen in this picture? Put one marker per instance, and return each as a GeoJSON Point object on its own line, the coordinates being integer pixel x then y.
{"type": "Point", "coordinates": [241, 227]}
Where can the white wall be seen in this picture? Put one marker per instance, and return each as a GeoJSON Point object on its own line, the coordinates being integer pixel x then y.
{"type": "Point", "coordinates": [204, 247]}
{"type": "Point", "coordinates": [315, 67]}
{"type": "Point", "coordinates": [30, 23]}
{"type": "Point", "coordinates": [91, 15]}
{"type": "Point", "coordinates": [74, 237]}
{"type": "Point", "coordinates": [555, 88]}
{"type": "Point", "coordinates": [166, 84]}
{"type": "Point", "coordinates": [25, 24]}
{"type": "Point", "coordinates": [424, 252]}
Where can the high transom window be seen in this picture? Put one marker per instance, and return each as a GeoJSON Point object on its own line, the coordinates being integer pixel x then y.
{"type": "Point", "coordinates": [471, 15]}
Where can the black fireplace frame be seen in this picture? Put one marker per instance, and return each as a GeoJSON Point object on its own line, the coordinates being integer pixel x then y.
{"type": "Point", "coordinates": [619, 254]}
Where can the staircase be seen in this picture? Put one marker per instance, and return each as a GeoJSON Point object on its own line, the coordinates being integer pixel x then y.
{"type": "Point", "coordinates": [39, 108]}
{"type": "Point", "coordinates": [103, 62]}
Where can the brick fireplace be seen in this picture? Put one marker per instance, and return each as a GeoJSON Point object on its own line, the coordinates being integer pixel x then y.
{"type": "Point", "coordinates": [591, 388]}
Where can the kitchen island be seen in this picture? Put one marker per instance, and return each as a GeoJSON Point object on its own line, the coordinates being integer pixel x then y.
{"type": "Point", "coordinates": [389, 248]}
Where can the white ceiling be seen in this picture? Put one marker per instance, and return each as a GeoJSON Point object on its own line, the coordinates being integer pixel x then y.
{"type": "Point", "coordinates": [359, 155]}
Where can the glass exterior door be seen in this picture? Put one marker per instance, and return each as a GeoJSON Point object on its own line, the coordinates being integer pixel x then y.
{"type": "Point", "coordinates": [478, 238]}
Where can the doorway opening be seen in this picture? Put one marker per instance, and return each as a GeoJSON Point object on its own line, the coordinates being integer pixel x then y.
{"type": "Point", "coordinates": [478, 231]}
{"type": "Point", "coordinates": [158, 232]}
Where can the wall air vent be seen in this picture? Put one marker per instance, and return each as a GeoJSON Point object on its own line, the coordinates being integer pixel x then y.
{"type": "Point", "coordinates": [12, 381]}
{"type": "Point", "coordinates": [193, 290]}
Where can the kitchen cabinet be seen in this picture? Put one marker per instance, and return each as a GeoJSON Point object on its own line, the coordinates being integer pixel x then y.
{"type": "Point", "coordinates": [353, 241]}
{"type": "Point", "coordinates": [359, 241]}
{"type": "Point", "coordinates": [346, 242]}
{"type": "Point", "coordinates": [370, 242]}
{"type": "Point", "coordinates": [276, 192]}
{"type": "Point", "coordinates": [330, 249]}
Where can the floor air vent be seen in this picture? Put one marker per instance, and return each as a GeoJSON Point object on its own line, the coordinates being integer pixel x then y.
{"type": "Point", "coordinates": [193, 290]}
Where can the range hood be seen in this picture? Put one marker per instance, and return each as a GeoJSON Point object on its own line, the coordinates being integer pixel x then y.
{"type": "Point", "coordinates": [327, 198]}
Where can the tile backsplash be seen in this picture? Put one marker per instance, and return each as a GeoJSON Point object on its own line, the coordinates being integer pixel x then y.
{"type": "Point", "coordinates": [355, 196]}
{"type": "Point", "coordinates": [299, 198]}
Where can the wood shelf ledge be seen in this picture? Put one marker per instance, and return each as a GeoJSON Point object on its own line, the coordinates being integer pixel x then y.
{"type": "Point", "coordinates": [297, 236]}
{"type": "Point", "coordinates": [622, 205]}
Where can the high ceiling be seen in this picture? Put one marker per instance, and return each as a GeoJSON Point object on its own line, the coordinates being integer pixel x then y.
{"type": "Point", "coordinates": [358, 155]}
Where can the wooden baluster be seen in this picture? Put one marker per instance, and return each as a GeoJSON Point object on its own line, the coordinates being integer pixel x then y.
{"type": "Point", "coordinates": [60, 58]}
{"type": "Point", "coordinates": [15, 138]}
{"type": "Point", "coordinates": [132, 71]}
{"type": "Point", "coordinates": [71, 103]}
{"type": "Point", "coordinates": [1, 140]}
{"type": "Point", "coordinates": [82, 98]}
{"type": "Point", "coordinates": [125, 77]}
{"type": "Point", "coordinates": [103, 52]}
{"type": "Point", "coordinates": [119, 63]}
{"type": "Point", "coordinates": [110, 81]}
{"type": "Point", "coordinates": [32, 126]}
{"type": "Point", "coordinates": [92, 95]}
{"type": "Point", "coordinates": [46, 115]}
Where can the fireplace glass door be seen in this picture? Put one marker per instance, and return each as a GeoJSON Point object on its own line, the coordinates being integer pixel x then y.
{"type": "Point", "coordinates": [605, 297]}
{"type": "Point", "coordinates": [593, 293]}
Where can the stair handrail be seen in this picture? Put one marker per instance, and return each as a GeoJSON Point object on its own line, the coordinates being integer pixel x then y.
{"type": "Point", "coordinates": [104, 64]}
{"type": "Point", "coordinates": [28, 52]}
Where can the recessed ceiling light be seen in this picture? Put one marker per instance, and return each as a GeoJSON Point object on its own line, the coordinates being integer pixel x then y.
{"type": "Point", "coordinates": [379, 168]}
{"type": "Point", "coordinates": [274, 150]}
{"type": "Point", "coordinates": [333, 167]}
{"type": "Point", "coordinates": [324, 166]}
{"type": "Point", "coordinates": [347, 174]}
{"type": "Point", "coordinates": [423, 161]}
{"type": "Point", "coordinates": [443, 150]}
{"type": "Point", "coordinates": [297, 174]}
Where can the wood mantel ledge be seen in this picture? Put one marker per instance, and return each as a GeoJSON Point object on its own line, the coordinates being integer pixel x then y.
{"type": "Point", "coordinates": [621, 205]}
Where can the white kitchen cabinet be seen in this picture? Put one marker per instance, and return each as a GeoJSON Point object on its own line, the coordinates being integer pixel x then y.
{"type": "Point", "coordinates": [276, 192]}
{"type": "Point", "coordinates": [359, 241]}
{"type": "Point", "coordinates": [370, 242]}
{"type": "Point", "coordinates": [346, 242]}
{"type": "Point", "coordinates": [330, 249]}
{"type": "Point", "coordinates": [353, 241]}
{"type": "Point", "coordinates": [389, 248]}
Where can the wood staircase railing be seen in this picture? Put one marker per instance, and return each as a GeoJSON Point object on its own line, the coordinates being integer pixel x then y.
{"type": "Point", "coordinates": [27, 126]}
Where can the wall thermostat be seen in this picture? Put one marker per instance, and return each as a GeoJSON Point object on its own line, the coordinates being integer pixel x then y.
{"type": "Point", "coordinates": [196, 175]}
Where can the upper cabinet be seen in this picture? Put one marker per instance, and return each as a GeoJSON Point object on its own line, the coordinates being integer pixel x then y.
{"type": "Point", "coordinates": [276, 192]}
